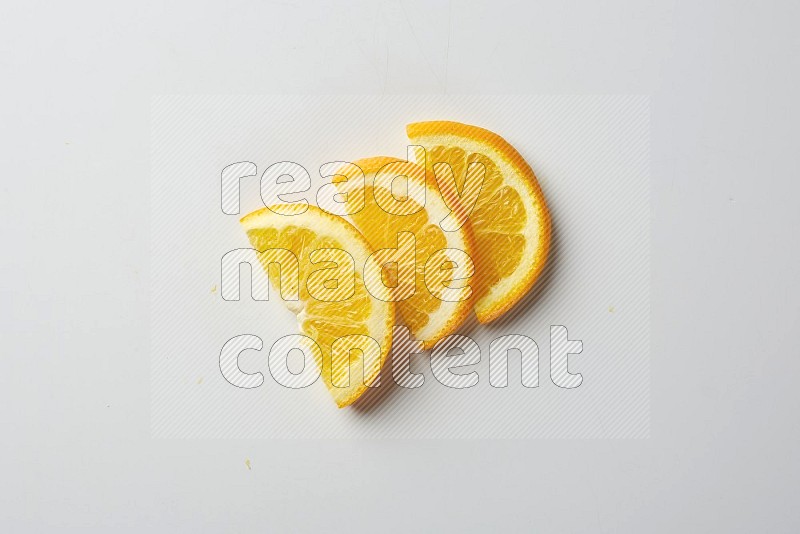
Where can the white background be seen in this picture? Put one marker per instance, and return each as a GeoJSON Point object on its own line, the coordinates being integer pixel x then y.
{"type": "Point", "coordinates": [76, 450]}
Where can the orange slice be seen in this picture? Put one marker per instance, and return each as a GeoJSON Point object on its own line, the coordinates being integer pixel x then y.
{"type": "Point", "coordinates": [442, 295]}
{"type": "Point", "coordinates": [509, 219]}
{"type": "Point", "coordinates": [333, 302]}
